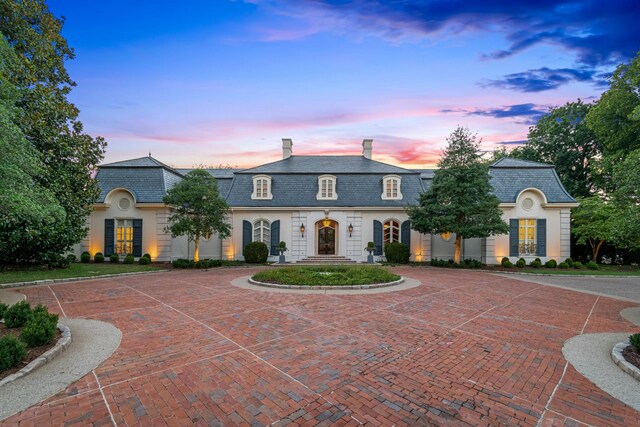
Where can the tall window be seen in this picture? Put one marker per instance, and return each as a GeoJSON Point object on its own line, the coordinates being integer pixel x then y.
{"type": "Point", "coordinates": [262, 231]}
{"type": "Point", "coordinates": [391, 231]}
{"type": "Point", "coordinates": [124, 236]}
{"type": "Point", "coordinates": [262, 187]}
{"type": "Point", "coordinates": [527, 236]}
{"type": "Point", "coordinates": [327, 188]}
{"type": "Point", "coordinates": [391, 188]}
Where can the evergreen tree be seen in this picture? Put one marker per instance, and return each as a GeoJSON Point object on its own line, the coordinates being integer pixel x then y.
{"type": "Point", "coordinates": [460, 199]}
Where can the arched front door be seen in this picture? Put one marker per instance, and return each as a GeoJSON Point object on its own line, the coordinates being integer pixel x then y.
{"type": "Point", "coordinates": [327, 237]}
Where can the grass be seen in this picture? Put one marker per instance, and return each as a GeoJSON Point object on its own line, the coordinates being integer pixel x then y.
{"type": "Point", "coordinates": [603, 270]}
{"type": "Point", "coordinates": [339, 275]}
{"type": "Point", "coordinates": [74, 270]}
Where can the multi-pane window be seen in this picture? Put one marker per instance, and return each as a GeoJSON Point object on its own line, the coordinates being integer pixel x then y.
{"type": "Point", "coordinates": [391, 231]}
{"type": "Point", "coordinates": [391, 188]}
{"type": "Point", "coordinates": [327, 188]}
{"type": "Point", "coordinates": [124, 236]}
{"type": "Point", "coordinates": [527, 236]}
{"type": "Point", "coordinates": [261, 187]}
{"type": "Point", "coordinates": [262, 231]}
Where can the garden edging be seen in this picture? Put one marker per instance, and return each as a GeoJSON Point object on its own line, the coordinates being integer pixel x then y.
{"type": "Point", "coordinates": [73, 279]}
{"type": "Point", "coordinates": [618, 359]}
{"type": "Point", "coordinates": [371, 286]}
{"type": "Point", "coordinates": [63, 343]}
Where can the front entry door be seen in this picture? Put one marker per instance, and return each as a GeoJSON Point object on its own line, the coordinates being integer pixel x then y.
{"type": "Point", "coordinates": [327, 240]}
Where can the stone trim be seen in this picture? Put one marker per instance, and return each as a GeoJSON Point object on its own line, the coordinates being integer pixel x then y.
{"type": "Point", "coordinates": [63, 343]}
{"type": "Point", "coordinates": [73, 279]}
{"type": "Point", "coordinates": [618, 359]}
{"type": "Point", "coordinates": [371, 286]}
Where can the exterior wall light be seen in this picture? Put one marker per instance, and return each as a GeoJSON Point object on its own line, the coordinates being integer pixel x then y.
{"type": "Point", "coordinates": [302, 229]}
{"type": "Point", "coordinates": [350, 229]}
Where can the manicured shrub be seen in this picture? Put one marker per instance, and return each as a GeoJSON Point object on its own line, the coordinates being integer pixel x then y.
{"type": "Point", "coordinates": [114, 259]}
{"type": "Point", "coordinates": [3, 309]}
{"type": "Point", "coordinates": [41, 327]}
{"type": "Point", "coordinates": [563, 265]}
{"type": "Point", "coordinates": [434, 262]}
{"type": "Point", "coordinates": [592, 265]}
{"type": "Point", "coordinates": [129, 259]}
{"type": "Point", "coordinates": [507, 264]}
{"type": "Point", "coordinates": [17, 315]}
{"type": "Point", "coordinates": [539, 260]}
{"type": "Point", "coordinates": [443, 263]}
{"type": "Point", "coordinates": [182, 263]}
{"type": "Point", "coordinates": [12, 351]}
{"type": "Point", "coordinates": [569, 261]}
{"type": "Point", "coordinates": [397, 253]}
{"type": "Point", "coordinates": [504, 260]}
{"type": "Point", "coordinates": [521, 263]}
{"type": "Point", "coordinates": [98, 258]}
{"type": "Point", "coordinates": [577, 265]}
{"type": "Point", "coordinates": [147, 256]}
{"type": "Point", "coordinates": [256, 253]}
{"type": "Point", "coordinates": [144, 260]}
{"type": "Point", "coordinates": [634, 340]}
{"type": "Point", "coordinates": [475, 263]}
{"type": "Point", "coordinates": [85, 257]}
{"type": "Point", "coordinates": [71, 258]}
{"type": "Point", "coordinates": [536, 263]}
{"type": "Point", "coordinates": [552, 263]}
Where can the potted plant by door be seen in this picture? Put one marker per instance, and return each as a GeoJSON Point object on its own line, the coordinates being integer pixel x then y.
{"type": "Point", "coordinates": [282, 248]}
{"type": "Point", "coordinates": [371, 247]}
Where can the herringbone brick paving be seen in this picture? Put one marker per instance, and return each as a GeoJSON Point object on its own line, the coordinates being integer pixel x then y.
{"type": "Point", "coordinates": [464, 348]}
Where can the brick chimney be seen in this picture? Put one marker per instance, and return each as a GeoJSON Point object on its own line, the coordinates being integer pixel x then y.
{"type": "Point", "coordinates": [287, 148]}
{"type": "Point", "coordinates": [367, 148]}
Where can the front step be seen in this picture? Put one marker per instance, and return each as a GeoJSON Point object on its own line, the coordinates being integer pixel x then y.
{"type": "Point", "coordinates": [326, 260]}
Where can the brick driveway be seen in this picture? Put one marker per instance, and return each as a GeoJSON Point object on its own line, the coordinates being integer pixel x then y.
{"type": "Point", "coordinates": [464, 348]}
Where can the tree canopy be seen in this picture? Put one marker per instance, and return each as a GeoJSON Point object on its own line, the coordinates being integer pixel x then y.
{"type": "Point", "coordinates": [460, 199]}
{"type": "Point", "coordinates": [197, 209]}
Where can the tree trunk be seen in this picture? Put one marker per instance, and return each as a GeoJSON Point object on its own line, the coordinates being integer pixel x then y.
{"type": "Point", "coordinates": [456, 253]}
{"type": "Point", "coordinates": [196, 249]}
{"type": "Point", "coordinates": [596, 249]}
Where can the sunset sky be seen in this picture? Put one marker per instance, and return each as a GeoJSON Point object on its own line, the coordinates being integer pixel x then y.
{"type": "Point", "coordinates": [221, 82]}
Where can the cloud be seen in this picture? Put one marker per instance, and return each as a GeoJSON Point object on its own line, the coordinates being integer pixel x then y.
{"type": "Point", "coordinates": [518, 142]}
{"type": "Point", "coordinates": [541, 79]}
{"type": "Point", "coordinates": [529, 113]}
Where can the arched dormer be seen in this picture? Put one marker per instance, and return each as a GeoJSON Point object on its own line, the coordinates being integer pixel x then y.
{"type": "Point", "coordinates": [120, 197]}
{"type": "Point", "coordinates": [327, 188]}
{"type": "Point", "coordinates": [261, 188]}
{"type": "Point", "coordinates": [391, 187]}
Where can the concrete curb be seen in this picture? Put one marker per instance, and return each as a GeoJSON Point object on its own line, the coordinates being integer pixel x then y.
{"type": "Point", "coordinates": [317, 288]}
{"type": "Point", "coordinates": [618, 359]}
{"type": "Point", "coordinates": [63, 343]}
{"type": "Point", "coordinates": [74, 279]}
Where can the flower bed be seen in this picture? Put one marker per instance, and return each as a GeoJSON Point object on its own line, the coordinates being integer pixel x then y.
{"type": "Point", "coordinates": [338, 275]}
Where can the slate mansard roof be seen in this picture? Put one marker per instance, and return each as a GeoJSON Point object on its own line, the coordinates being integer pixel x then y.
{"type": "Point", "coordinates": [294, 181]}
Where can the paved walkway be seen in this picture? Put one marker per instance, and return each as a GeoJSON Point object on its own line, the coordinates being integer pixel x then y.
{"type": "Point", "coordinates": [463, 348]}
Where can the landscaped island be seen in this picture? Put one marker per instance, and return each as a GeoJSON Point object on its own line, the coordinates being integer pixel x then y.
{"type": "Point", "coordinates": [335, 275]}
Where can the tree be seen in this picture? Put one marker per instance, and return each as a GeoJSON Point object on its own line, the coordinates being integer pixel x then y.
{"type": "Point", "coordinates": [460, 199]}
{"type": "Point", "coordinates": [626, 197]}
{"type": "Point", "coordinates": [46, 118]}
{"type": "Point", "coordinates": [594, 222]}
{"type": "Point", "coordinates": [198, 209]}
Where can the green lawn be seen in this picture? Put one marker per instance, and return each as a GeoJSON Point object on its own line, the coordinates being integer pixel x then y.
{"type": "Point", "coordinates": [75, 270]}
{"type": "Point", "coordinates": [326, 275]}
{"type": "Point", "coordinates": [603, 270]}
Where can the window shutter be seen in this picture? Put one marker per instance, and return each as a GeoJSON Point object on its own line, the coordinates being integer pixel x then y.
{"type": "Point", "coordinates": [275, 237]}
{"type": "Point", "coordinates": [405, 233]}
{"type": "Point", "coordinates": [137, 237]}
{"type": "Point", "coordinates": [109, 237]}
{"type": "Point", "coordinates": [247, 234]}
{"type": "Point", "coordinates": [377, 236]}
{"type": "Point", "coordinates": [514, 243]}
{"type": "Point", "coordinates": [541, 244]}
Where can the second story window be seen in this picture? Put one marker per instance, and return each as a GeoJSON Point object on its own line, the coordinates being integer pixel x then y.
{"type": "Point", "coordinates": [391, 187]}
{"type": "Point", "coordinates": [262, 187]}
{"type": "Point", "coordinates": [327, 188]}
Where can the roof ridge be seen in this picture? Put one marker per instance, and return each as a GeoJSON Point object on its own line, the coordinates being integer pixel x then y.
{"type": "Point", "coordinates": [517, 163]}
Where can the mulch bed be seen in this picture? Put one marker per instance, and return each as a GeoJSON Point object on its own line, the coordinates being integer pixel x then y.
{"type": "Point", "coordinates": [32, 353]}
{"type": "Point", "coordinates": [631, 356]}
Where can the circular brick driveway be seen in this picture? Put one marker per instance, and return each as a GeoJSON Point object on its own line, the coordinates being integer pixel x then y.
{"type": "Point", "coordinates": [464, 348]}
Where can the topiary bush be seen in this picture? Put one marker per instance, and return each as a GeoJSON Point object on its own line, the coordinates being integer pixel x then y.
{"type": "Point", "coordinates": [147, 256]}
{"type": "Point", "coordinates": [12, 351]}
{"type": "Point", "coordinates": [569, 261]}
{"type": "Point", "coordinates": [504, 260]}
{"type": "Point", "coordinates": [507, 264]}
{"type": "Point", "coordinates": [85, 257]}
{"type": "Point", "coordinates": [129, 259]}
{"type": "Point", "coordinates": [521, 263]}
{"type": "Point", "coordinates": [182, 263]}
{"type": "Point", "coordinates": [144, 260]}
{"type": "Point", "coordinates": [114, 259]}
{"type": "Point", "coordinates": [552, 263]}
{"type": "Point", "coordinates": [71, 258]}
{"type": "Point", "coordinates": [41, 327]}
{"type": "Point", "coordinates": [577, 265]}
{"type": "Point", "coordinates": [98, 258]}
{"type": "Point", "coordinates": [17, 315]}
{"type": "Point", "coordinates": [256, 253]}
{"type": "Point", "coordinates": [397, 253]}
{"type": "Point", "coordinates": [563, 265]}
{"type": "Point", "coordinates": [536, 263]}
{"type": "Point", "coordinates": [539, 260]}
{"type": "Point", "coordinates": [592, 265]}
{"type": "Point", "coordinates": [634, 340]}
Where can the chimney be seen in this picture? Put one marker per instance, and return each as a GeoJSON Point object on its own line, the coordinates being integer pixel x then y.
{"type": "Point", "coordinates": [287, 149]}
{"type": "Point", "coordinates": [367, 148]}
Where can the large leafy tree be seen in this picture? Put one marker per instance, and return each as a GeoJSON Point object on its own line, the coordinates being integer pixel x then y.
{"type": "Point", "coordinates": [46, 117]}
{"type": "Point", "coordinates": [460, 199]}
{"type": "Point", "coordinates": [594, 223]}
{"type": "Point", "coordinates": [626, 198]}
{"type": "Point", "coordinates": [197, 209]}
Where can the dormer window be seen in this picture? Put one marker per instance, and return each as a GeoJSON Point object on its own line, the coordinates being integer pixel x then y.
{"type": "Point", "coordinates": [327, 188]}
{"type": "Point", "coordinates": [391, 187]}
{"type": "Point", "coordinates": [262, 188]}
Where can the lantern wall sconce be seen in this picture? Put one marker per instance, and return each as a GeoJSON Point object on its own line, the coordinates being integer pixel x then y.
{"type": "Point", "coordinates": [302, 229]}
{"type": "Point", "coordinates": [350, 229]}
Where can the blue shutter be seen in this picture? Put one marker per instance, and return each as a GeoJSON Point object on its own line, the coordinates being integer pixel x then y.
{"type": "Point", "coordinates": [541, 244]}
{"type": "Point", "coordinates": [514, 242]}
{"type": "Point", "coordinates": [405, 233]}
{"type": "Point", "coordinates": [137, 237]}
{"type": "Point", "coordinates": [377, 236]}
{"type": "Point", "coordinates": [247, 234]}
{"type": "Point", "coordinates": [109, 237]}
{"type": "Point", "coordinates": [275, 237]}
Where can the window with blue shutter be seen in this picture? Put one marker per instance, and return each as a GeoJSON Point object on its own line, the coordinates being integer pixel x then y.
{"type": "Point", "coordinates": [247, 232]}
{"type": "Point", "coordinates": [513, 238]}
{"type": "Point", "coordinates": [109, 237]}
{"type": "Point", "coordinates": [377, 236]}
{"type": "Point", "coordinates": [405, 233]}
{"type": "Point", "coordinates": [137, 237]}
{"type": "Point", "coordinates": [541, 244]}
{"type": "Point", "coordinates": [275, 237]}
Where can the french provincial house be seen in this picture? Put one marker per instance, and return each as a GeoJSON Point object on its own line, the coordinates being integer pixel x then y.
{"type": "Point", "coordinates": [324, 205]}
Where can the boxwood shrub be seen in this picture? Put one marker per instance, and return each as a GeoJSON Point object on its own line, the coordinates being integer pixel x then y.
{"type": "Point", "coordinates": [397, 253]}
{"type": "Point", "coordinates": [71, 258]}
{"type": "Point", "coordinates": [3, 309]}
{"type": "Point", "coordinates": [569, 261]}
{"type": "Point", "coordinates": [521, 263]}
{"type": "Point", "coordinates": [40, 329]}
{"type": "Point", "coordinates": [504, 261]}
{"type": "Point", "coordinates": [17, 315]}
{"type": "Point", "coordinates": [12, 351]}
{"type": "Point", "coordinates": [114, 259]}
{"type": "Point", "coordinates": [552, 263]}
{"type": "Point", "coordinates": [144, 260]}
{"type": "Point", "coordinates": [592, 265]}
{"type": "Point", "coordinates": [634, 340]}
{"type": "Point", "coordinates": [563, 265]}
{"type": "Point", "coordinates": [98, 258]}
{"type": "Point", "coordinates": [256, 253]}
{"type": "Point", "coordinates": [85, 257]}
{"type": "Point", "coordinates": [128, 259]}
{"type": "Point", "coordinates": [507, 264]}
{"type": "Point", "coordinates": [536, 263]}
{"type": "Point", "coordinates": [147, 256]}
{"type": "Point", "coordinates": [577, 265]}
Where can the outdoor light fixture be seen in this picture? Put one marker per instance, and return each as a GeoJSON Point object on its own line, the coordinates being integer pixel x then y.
{"type": "Point", "coordinates": [350, 229]}
{"type": "Point", "coordinates": [302, 229]}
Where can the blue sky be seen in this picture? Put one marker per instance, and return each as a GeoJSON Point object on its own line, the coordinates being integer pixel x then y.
{"type": "Point", "coordinates": [221, 82]}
